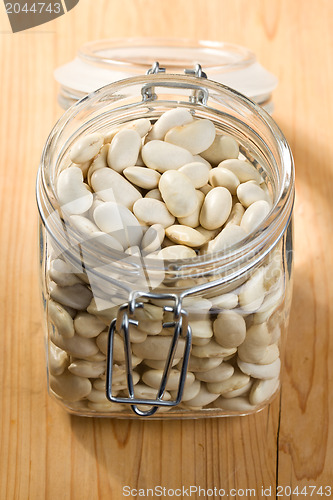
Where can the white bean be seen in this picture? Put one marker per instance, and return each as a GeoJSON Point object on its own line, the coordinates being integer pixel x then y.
{"type": "Point", "coordinates": [236, 214]}
{"type": "Point", "coordinates": [254, 215]}
{"type": "Point", "coordinates": [151, 327]}
{"type": "Point", "coordinates": [153, 378]}
{"type": "Point", "coordinates": [196, 305]}
{"type": "Point", "coordinates": [120, 383]}
{"type": "Point", "coordinates": [178, 193]}
{"type": "Point", "coordinates": [142, 391]}
{"type": "Point", "coordinates": [58, 359]}
{"type": "Point", "coordinates": [169, 119]}
{"type": "Point", "coordinates": [196, 136]}
{"type": "Point", "coordinates": [76, 346]}
{"type": "Point", "coordinates": [149, 312]}
{"type": "Point", "coordinates": [87, 325]}
{"type": "Point", "coordinates": [159, 364]}
{"type": "Point", "coordinates": [263, 355]}
{"type": "Point", "coordinates": [61, 319]}
{"type": "Point", "coordinates": [163, 156]}
{"type": "Point", "coordinates": [152, 212]}
{"type": "Point", "coordinates": [225, 301]}
{"type": "Point", "coordinates": [222, 148]}
{"type": "Point", "coordinates": [157, 348]}
{"type": "Point", "coordinates": [200, 159]}
{"type": "Point", "coordinates": [76, 296]}
{"type": "Point", "coordinates": [203, 364]}
{"type": "Point", "coordinates": [244, 170]}
{"type": "Point", "coordinates": [216, 208]}
{"type": "Point", "coordinates": [103, 309]}
{"type": "Point", "coordinates": [99, 356]}
{"type": "Point", "coordinates": [252, 293]}
{"type": "Point", "coordinates": [259, 335]}
{"type": "Point", "coordinates": [236, 381]}
{"type": "Point", "coordinates": [249, 192]}
{"type": "Point", "coordinates": [73, 195]}
{"type": "Point", "coordinates": [229, 236]}
{"type": "Point", "coordinates": [124, 149]}
{"type": "Point", "coordinates": [218, 374]}
{"type": "Point", "coordinates": [203, 398]}
{"type": "Point", "coordinates": [263, 390]}
{"type": "Point", "coordinates": [240, 404]}
{"type": "Point", "coordinates": [137, 335]}
{"type": "Point", "coordinates": [108, 240]}
{"type": "Point", "coordinates": [199, 341]}
{"type": "Point", "coordinates": [185, 235]}
{"type": "Point", "coordinates": [270, 304]}
{"type": "Point", "coordinates": [84, 225]}
{"type": "Point", "coordinates": [99, 162]}
{"type": "Point", "coordinates": [119, 378]}
{"type": "Point", "coordinates": [153, 238]}
{"type": "Point", "coordinates": [98, 397]}
{"type": "Point", "coordinates": [212, 350]}
{"type": "Point", "coordinates": [134, 251]}
{"type": "Point", "coordinates": [190, 391]}
{"type": "Point", "coordinates": [141, 126]}
{"type": "Point", "coordinates": [107, 406]}
{"type": "Point", "coordinates": [229, 329]}
{"type": "Point", "coordinates": [99, 383]}
{"type": "Point", "coordinates": [155, 194]}
{"type": "Point", "coordinates": [223, 177]}
{"type": "Point", "coordinates": [70, 387]}
{"type": "Point", "coordinates": [206, 188]}
{"type": "Point", "coordinates": [116, 219]}
{"type": "Point", "coordinates": [142, 176]}
{"type": "Point", "coordinates": [63, 273]}
{"type": "Point", "coordinates": [84, 167]}
{"type": "Point", "coordinates": [111, 186]}
{"type": "Point", "coordinates": [89, 369]}
{"type": "Point", "coordinates": [209, 234]}
{"type": "Point", "coordinates": [197, 172]}
{"type": "Point", "coordinates": [202, 328]}
{"type": "Point", "coordinates": [86, 148]}
{"type": "Point", "coordinates": [192, 220]}
{"type": "Point", "coordinates": [118, 346]}
{"type": "Point", "coordinates": [263, 372]}
{"type": "Point", "coordinates": [238, 392]}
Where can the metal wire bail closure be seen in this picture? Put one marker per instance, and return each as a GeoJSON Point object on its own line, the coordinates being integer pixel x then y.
{"type": "Point", "coordinates": [121, 325]}
{"type": "Point", "coordinates": [199, 94]}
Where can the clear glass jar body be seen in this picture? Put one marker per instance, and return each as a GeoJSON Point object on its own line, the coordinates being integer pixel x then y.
{"type": "Point", "coordinates": [237, 301]}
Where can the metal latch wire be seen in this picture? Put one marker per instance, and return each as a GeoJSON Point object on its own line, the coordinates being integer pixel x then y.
{"type": "Point", "coordinates": [199, 94]}
{"type": "Point", "coordinates": [121, 324]}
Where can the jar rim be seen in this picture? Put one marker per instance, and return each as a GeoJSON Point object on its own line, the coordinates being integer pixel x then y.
{"type": "Point", "coordinates": [270, 229]}
{"type": "Point", "coordinates": [101, 62]}
{"type": "Point", "coordinates": [136, 53]}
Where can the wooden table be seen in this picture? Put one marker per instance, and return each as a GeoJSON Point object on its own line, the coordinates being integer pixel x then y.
{"type": "Point", "coordinates": [47, 454]}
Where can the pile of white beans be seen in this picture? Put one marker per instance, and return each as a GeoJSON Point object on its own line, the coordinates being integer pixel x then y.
{"type": "Point", "coordinates": [174, 189]}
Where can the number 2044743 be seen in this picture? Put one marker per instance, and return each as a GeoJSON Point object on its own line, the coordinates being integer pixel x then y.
{"type": "Point", "coordinates": [33, 8]}
{"type": "Point", "coordinates": [306, 491]}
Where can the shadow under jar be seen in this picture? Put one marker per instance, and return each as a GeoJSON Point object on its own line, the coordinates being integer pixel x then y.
{"type": "Point", "coordinates": [195, 337]}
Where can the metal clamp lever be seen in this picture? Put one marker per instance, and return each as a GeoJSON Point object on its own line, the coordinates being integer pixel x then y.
{"type": "Point", "coordinates": [199, 94]}
{"type": "Point", "coordinates": [121, 325]}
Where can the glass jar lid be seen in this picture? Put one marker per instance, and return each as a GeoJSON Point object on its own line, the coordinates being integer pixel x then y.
{"type": "Point", "coordinates": [100, 63]}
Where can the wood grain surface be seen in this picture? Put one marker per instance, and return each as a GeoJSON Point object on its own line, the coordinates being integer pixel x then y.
{"type": "Point", "coordinates": [47, 454]}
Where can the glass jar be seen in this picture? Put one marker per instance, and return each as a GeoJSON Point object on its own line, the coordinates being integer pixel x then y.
{"type": "Point", "coordinates": [236, 302]}
{"type": "Point", "coordinates": [102, 62]}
